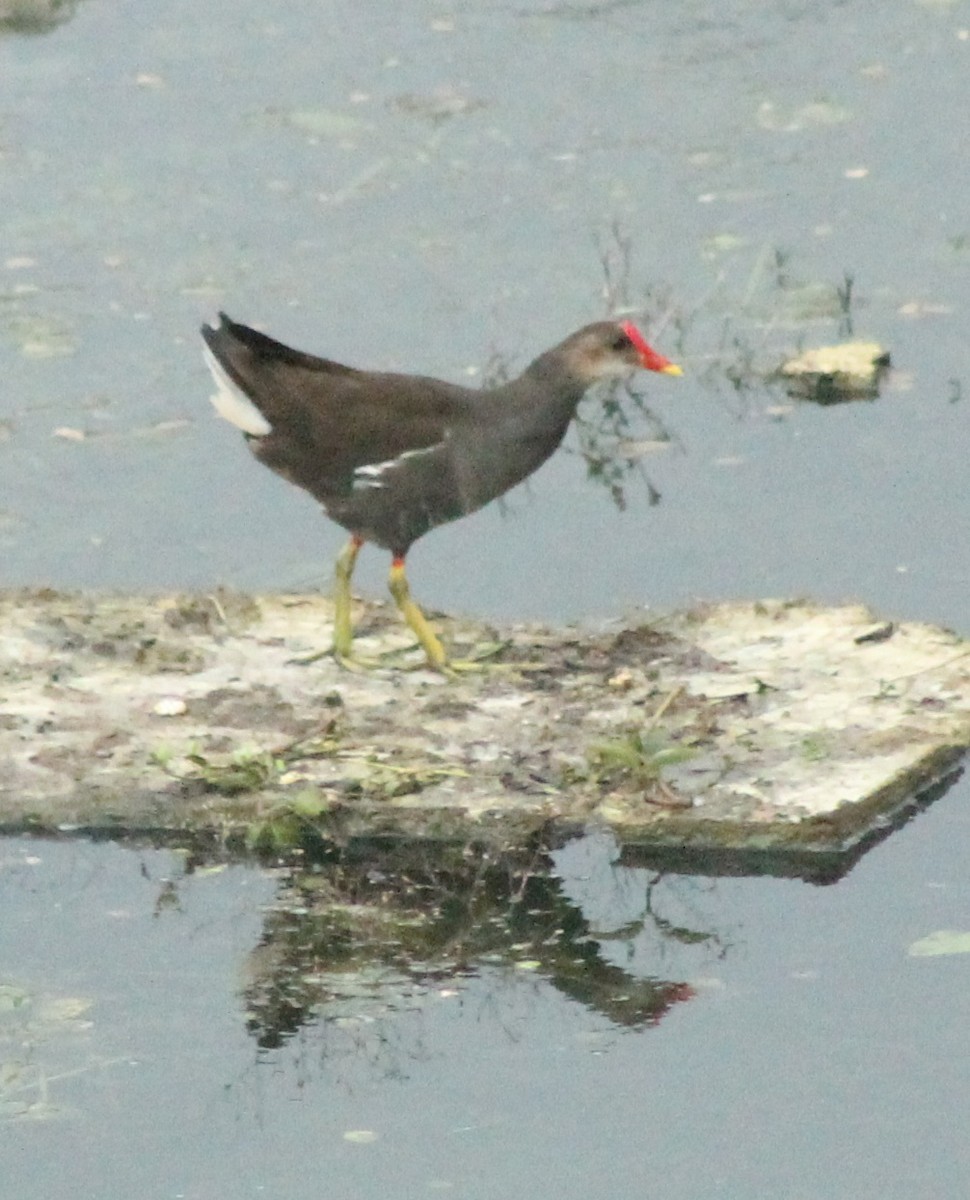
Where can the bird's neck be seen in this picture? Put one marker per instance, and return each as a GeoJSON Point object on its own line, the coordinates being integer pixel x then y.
{"type": "Point", "coordinates": [548, 379]}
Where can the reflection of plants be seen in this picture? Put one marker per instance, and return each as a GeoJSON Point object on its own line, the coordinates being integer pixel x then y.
{"type": "Point", "coordinates": [844, 294]}
{"type": "Point", "coordinates": [35, 16]}
{"type": "Point", "coordinates": [614, 435]}
{"type": "Point", "coordinates": [750, 329]}
{"type": "Point", "coordinates": [42, 1041]}
{"type": "Point", "coordinates": [684, 935]}
{"type": "Point", "coordinates": [764, 322]}
{"type": "Point", "coordinates": [739, 364]}
{"type": "Point", "coordinates": [608, 446]}
{"type": "Point", "coordinates": [615, 252]}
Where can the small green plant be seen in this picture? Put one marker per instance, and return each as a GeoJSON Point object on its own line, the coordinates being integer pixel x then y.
{"type": "Point", "coordinates": [387, 780]}
{"type": "Point", "coordinates": [249, 770]}
{"type": "Point", "coordinates": [162, 757]}
{"type": "Point", "coordinates": [246, 771]}
{"type": "Point", "coordinates": [285, 825]}
{"type": "Point", "coordinates": [815, 747]}
{"type": "Point", "coordinates": [635, 757]}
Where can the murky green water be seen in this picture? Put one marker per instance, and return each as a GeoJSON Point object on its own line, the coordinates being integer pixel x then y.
{"type": "Point", "coordinates": [422, 187]}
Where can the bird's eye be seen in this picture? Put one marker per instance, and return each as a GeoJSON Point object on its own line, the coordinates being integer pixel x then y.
{"type": "Point", "coordinates": [620, 342]}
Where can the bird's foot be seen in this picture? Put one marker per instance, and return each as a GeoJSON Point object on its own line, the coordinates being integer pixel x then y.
{"type": "Point", "coordinates": [483, 658]}
{"type": "Point", "coordinates": [383, 659]}
{"type": "Point", "coordinates": [307, 660]}
{"type": "Point", "coordinates": [343, 658]}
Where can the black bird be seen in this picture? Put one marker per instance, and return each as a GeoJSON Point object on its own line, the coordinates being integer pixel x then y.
{"type": "Point", "coordinates": [392, 456]}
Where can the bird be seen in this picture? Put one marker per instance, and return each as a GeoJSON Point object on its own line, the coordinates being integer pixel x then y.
{"type": "Point", "coordinates": [392, 456]}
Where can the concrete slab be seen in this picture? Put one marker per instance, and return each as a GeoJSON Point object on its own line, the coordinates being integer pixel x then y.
{"type": "Point", "coordinates": [770, 726]}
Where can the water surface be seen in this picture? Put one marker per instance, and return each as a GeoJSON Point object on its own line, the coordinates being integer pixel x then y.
{"type": "Point", "coordinates": [425, 188]}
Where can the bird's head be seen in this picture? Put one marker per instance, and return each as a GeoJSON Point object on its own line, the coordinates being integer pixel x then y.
{"type": "Point", "coordinates": [612, 350]}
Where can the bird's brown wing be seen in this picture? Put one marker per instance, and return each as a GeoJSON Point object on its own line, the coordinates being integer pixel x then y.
{"type": "Point", "coordinates": [328, 422]}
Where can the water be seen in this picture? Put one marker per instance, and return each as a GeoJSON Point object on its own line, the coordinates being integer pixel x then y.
{"type": "Point", "coordinates": [800, 1051]}
{"type": "Point", "coordinates": [419, 188]}
{"type": "Point", "coordinates": [299, 172]}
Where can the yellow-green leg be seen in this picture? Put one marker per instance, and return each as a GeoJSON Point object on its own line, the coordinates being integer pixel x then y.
{"type": "Point", "coordinates": [416, 620]}
{"type": "Point", "coordinates": [343, 631]}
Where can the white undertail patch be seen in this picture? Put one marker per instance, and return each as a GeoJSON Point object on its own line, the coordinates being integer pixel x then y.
{"type": "Point", "coordinates": [231, 402]}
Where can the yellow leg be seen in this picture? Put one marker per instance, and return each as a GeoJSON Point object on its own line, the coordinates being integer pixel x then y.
{"type": "Point", "coordinates": [343, 633]}
{"type": "Point", "coordinates": [415, 618]}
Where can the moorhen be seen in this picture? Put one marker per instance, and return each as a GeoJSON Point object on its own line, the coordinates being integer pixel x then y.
{"type": "Point", "coordinates": [391, 456]}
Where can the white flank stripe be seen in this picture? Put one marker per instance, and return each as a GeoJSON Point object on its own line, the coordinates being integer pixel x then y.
{"type": "Point", "coordinates": [231, 402]}
{"type": "Point", "coordinates": [370, 475]}
{"type": "Point", "coordinates": [375, 469]}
